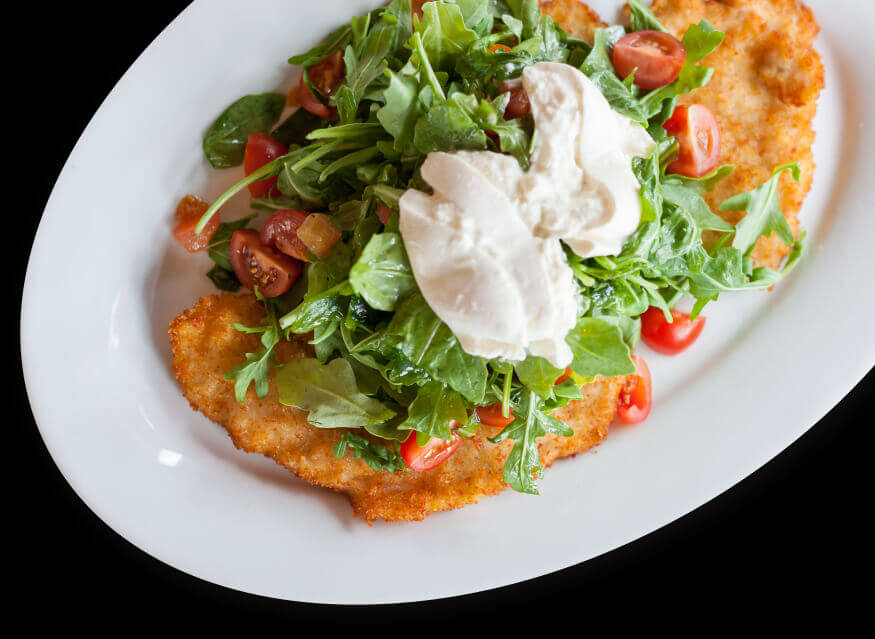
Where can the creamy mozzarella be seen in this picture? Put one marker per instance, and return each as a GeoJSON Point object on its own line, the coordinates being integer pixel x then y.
{"type": "Point", "coordinates": [485, 247]}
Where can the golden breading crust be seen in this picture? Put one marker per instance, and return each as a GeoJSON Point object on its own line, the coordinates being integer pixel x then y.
{"type": "Point", "coordinates": [206, 345]}
{"type": "Point", "coordinates": [763, 93]}
{"type": "Point", "coordinates": [574, 16]}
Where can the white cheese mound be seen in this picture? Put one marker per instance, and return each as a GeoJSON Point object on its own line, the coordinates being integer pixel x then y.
{"type": "Point", "coordinates": [485, 247]}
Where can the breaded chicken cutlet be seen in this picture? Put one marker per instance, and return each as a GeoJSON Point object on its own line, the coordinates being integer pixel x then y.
{"type": "Point", "coordinates": [763, 93]}
{"type": "Point", "coordinates": [206, 345]}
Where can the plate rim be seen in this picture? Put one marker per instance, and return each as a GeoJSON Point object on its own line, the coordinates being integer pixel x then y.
{"type": "Point", "coordinates": [61, 460]}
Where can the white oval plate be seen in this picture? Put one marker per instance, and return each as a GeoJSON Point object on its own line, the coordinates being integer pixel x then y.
{"type": "Point", "coordinates": [168, 480]}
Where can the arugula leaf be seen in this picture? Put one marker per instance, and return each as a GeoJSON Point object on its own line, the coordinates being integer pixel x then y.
{"type": "Point", "coordinates": [599, 349]}
{"type": "Point", "coordinates": [402, 12]}
{"type": "Point", "coordinates": [538, 375]}
{"type": "Point", "coordinates": [447, 127]}
{"type": "Point", "coordinates": [376, 456]}
{"type": "Point", "coordinates": [514, 135]}
{"type": "Point", "coordinates": [702, 184]}
{"type": "Point", "coordinates": [223, 279]}
{"type": "Point", "coordinates": [364, 65]}
{"type": "Point", "coordinates": [523, 466]}
{"type": "Point", "coordinates": [431, 412]}
{"type": "Point", "coordinates": [225, 140]}
{"type": "Point", "coordinates": [699, 40]}
{"type": "Point", "coordinates": [329, 393]}
{"type": "Point", "coordinates": [599, 67]}
{"type": "Point", "coordinates": [477, 15]}
{"type": "Point", "coordinates": [337, 39]}
{"type": "Point", "coordinates": [763, 212]}
{"type": "Point", "coordinates": [526, 11]}
{"type": "Point", "coordinates": [382, 275]}
{"type": "Point", "coordinates": [691, 202]}
{"type": "Point", "coordinates": [428, 343]}
{"type": "Point", "coordinates": [641, 18]}
{"type": "Point", "coordinates": [255, 368]}
{"type": "Point", "coordinates": [444, 34]}
{"type": "Point", "coordinates": [294, 129]}
{"type": "Point", "coordinates": [219, 249]}
{"type": "Point", "coordinates": [403, 107]}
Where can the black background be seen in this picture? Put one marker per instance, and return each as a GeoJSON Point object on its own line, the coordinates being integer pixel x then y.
{"type": "Point", "coordinates": [793, 532]}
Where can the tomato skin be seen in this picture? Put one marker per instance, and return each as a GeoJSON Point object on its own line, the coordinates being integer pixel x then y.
{"type": "Point", "coordinates": [636, 396]}
{"type": "Point", "coordinates": [416, 8]}
{"type": "Point", "coordinates": [656, 58]}
{"type": "Point", "coordinates": [383, 212]}
{"type": "Point", "coordinates": [502, 48]}
{"type": "Point", "coordinates": [670, 339]}
{"type": "Point", "coordinates": [698, 136]}
{"type": "Point", "coordinates": [280, 231]}
{"type": "Point", "coordinates": [314, 106]}
{"type": "Point", "coordinates": [325, 76]}
{"type": "Point", "coordinates": [491, 415]}
{"type": "Point", "coordinates": [188, 213]}
{"type": "Point", "coordinates": [261, 149]}
{"type": "Point", "coordinates": [258, 265]}
{"type": "Point", "coordinates": [435, 452]}
{"type": "Point", "coordinates": [564, 377]}
{"type": "Point", "coordinates": [518, 106]}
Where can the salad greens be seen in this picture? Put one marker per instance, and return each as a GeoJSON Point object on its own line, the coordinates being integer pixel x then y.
{"type": "Point", "coordinates": [384, 362]}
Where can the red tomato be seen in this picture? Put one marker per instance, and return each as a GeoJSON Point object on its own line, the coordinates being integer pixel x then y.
{"type": "Point", "coordinates": [258, 265]}
{"type": "Point", "coordinates": [188, 213]}
{"type": "Point", "coordinates": [383, 212]}
{"type": "Point", "coordinates": [656, 58]}
{"type": "Point", "coordinates": [698, 136]}
{"type": "Point", "coordinates": [670, 339]}
{"type": "Point", "coordinates": [261, 148]}
{"type": "Point", "coordinates": [280, 231]}
{"type": "Point", "coordinates": [416, 7]}
{"type": "Point", "coordinates": [518, 106]}
{"type": "Point", "coordinates": [491, 415]}
{"type": "Point", "coordinates": [636, 396]}
{"type": "Point", "coordinates": [325, 76]}
{"type": "Point", "coordinates": [434, 453]}
{"type": "Point", "coordinates": [498, 47]}
{"type": "Point", "coordinates": [314, 106]}
{"type": "Point", "coordinates": [564, 377]}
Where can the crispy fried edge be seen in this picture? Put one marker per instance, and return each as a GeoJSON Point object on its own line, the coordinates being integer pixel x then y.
{"type": "Point", "coordinates": [788, 118]}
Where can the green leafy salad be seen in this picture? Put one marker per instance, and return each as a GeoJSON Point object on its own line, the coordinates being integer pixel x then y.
{"type": "Point", "coordinates": [386, 368]}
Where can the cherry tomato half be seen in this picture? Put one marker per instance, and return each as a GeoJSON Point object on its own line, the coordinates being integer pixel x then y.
{"type": "Point", "coordinates": [670, 339]}
{"type": "Point", "coordinates": [308, 101]}
{"type": "Point", "coordinates": [491, 415]}
{"type": "Point", "coordinates": [280, 231]}
{"type": "Point", "coordinates": [258, 265]}
{"type": "Point", "coordinates": [435, 452]}
{"type": "Point", "coordinates": [261, 149]}
{"type": "Point", "coordinates": [325, 76]}
{"type": "Point", "coordinates": [636, 396]}
{"type": "Point", "coordinates": [518, 106]}
{"type": "Point", "coordinates": [188, 213]}
{"type": "Point", "coordinates": [698, 136]}
{"type": "Point", "coordinates": [656, 58]}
